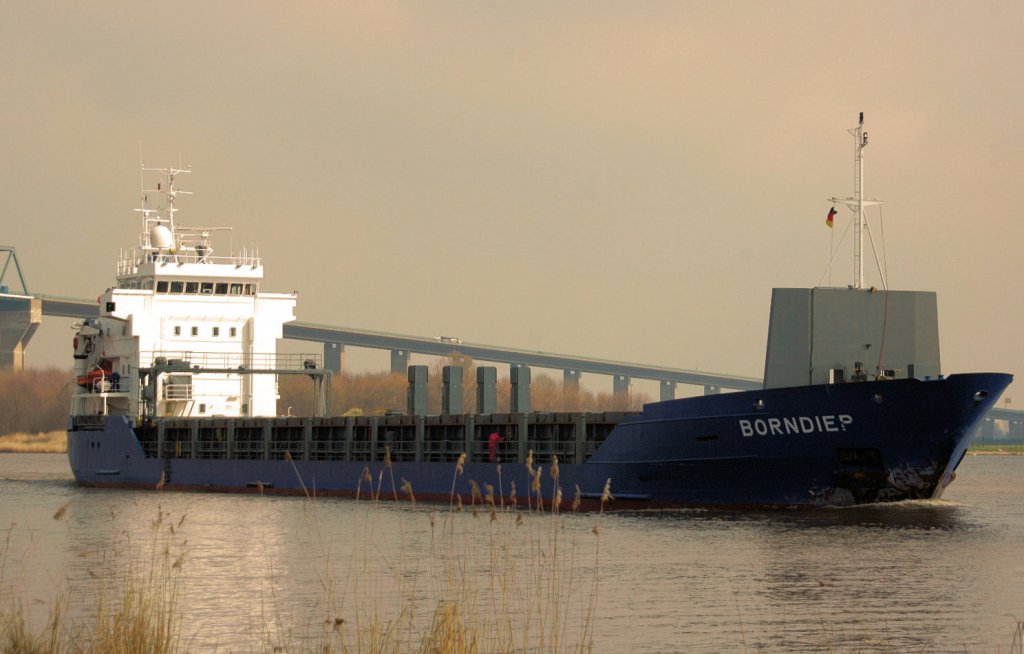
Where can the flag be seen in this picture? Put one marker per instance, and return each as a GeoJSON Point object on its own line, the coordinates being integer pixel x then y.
{"type": "Point", "coordinates": [831, 215]}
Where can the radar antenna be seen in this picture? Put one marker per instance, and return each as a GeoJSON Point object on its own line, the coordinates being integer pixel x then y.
{"type": "Point", "coordinates": [159, 231]}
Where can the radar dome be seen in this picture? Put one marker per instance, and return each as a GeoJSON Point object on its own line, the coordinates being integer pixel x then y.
{"type": "Point", "coordinates": [161, 237]}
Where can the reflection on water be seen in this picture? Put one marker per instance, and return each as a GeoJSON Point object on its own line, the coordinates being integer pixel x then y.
{"type": "Point", "coordinates": [915, 514]}
{"type": "Point", "coordinates": [915, 576]}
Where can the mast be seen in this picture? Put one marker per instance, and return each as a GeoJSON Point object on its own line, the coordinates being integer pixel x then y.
{"type": "Point", "coordinates": [857, 203]}
{"type": "Point", "coordinates": [860, 138]}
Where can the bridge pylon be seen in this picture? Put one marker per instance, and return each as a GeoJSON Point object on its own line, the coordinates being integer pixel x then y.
{"type": "Point", "coordinates": [9, 255]}
{"type": "Point", "coordinates": [20, 313]}
{"type": "Point", "coordinates": [20, 317]}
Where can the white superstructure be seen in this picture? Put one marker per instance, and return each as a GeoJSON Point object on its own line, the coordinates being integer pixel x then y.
{"type": "Point", "coordinates": [185, 332]}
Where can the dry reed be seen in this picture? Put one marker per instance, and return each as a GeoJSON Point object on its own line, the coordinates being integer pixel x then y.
{"type": "Point", "coordinates": [135, 613]}
{"type": "Point", "coordinates": [494, 578]}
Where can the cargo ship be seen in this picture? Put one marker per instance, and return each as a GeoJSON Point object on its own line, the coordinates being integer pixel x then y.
{"type": "Point", "coordinates": [175, 387]}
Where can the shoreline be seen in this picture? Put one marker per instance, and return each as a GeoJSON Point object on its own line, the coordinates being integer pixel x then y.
{"type": "Point", "coordinates": [51, 442]}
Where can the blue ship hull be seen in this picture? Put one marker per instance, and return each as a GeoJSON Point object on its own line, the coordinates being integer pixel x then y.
{"type": "Point", "coordinates": [804, 446]}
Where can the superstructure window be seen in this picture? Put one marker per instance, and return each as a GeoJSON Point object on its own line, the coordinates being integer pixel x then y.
{"type": "Point", "coordinates": [216, 331]}
{"type": "Point", "coordinates": [207, 288]}
{"type": "Point", "coordinates": [161, 287]}
{"type": "Point", "coordinates": [234, 332]}
{"type": "Point", "coordinates": [250, 289]}
{"type": "Point", "coordinates": [195, 331]}
{"type": "Point", "coordinates": [236, 289]}
{"type": "Point", "coordinates": [222, 288]}
{"type": "Point", "coordinates": [177, 287]}
{"type": "Point", "coordinates": [192, 287]}
{"type": "Point", "coordinates": [177, 330]}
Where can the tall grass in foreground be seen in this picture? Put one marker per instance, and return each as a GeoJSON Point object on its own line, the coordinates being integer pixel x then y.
{"type": "Point", "coordinates": [488, 577]}
{"type": "Point", "coordinates": [136, 613]}
{"type": "Point", "coordinates": [478, 575]}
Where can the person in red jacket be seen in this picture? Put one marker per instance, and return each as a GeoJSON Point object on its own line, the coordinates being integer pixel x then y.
{"type": "Point", "coordinates": [492, 445]}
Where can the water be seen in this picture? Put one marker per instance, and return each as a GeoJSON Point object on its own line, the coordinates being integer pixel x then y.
{"type": "Point", "coordinates": [942, 576]}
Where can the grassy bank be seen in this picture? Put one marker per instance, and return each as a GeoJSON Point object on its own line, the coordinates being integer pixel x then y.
{"type": "Point", "coordinates": [47, 442]}
{"type": "Point", "coordinates": [988, 448]}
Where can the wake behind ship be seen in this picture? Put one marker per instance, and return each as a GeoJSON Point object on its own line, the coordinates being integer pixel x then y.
{"type": "Point", "coordinates": [176, 388]}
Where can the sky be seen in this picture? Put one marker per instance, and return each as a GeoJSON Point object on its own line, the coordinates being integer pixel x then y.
{"type": "Point", "coordinates": [616, 180]}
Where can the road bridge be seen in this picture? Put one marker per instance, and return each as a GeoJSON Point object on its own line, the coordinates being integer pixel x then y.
{"type": "Point", "coordinates": [334, 339]}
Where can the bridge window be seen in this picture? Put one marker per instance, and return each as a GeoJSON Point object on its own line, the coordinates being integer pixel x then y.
{"type": "Point", "coordinates": [161, 287]}
{"type": "Point", "coordinates": [207, 288]}
{"type": "Point", "coordinates": [236, 289]}
{"type": "Point", "coordinates": [192, 287]}
{"type": "Point", "coordinates": [177, 287]}
{"type": "Point", "coordinates": [222, 288]}
{"type": "Point", "coordinates": [250, 289]}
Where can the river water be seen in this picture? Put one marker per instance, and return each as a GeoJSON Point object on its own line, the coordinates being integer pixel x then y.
{"type": "Point", "coordinates": [255, 572]}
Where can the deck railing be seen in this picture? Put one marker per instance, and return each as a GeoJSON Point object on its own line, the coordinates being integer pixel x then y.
{"type": "Point", "coordinates": [233, 360]}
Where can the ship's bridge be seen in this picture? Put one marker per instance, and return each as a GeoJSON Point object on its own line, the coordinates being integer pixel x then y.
{"type": "Point", "coordinates": [193, 278]}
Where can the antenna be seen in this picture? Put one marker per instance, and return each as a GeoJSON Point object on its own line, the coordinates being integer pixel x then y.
{"type": "Point", "coordinates": [142, 180]}
{"type": "Point", "coordinates": [857, 202]}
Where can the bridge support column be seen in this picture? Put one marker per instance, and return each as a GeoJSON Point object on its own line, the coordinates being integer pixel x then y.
{"type": "Point", "coordinates": [399, 361]}
{"type": "Point", "coordinates": [711, 389]}
{"type": "Point", "coordinates": [1015, 430]}
{"type": "Point", "coordinates": [519, 402]}
{"type": "Point", "coordinates": [571, 389]}
{"type": "Point", "coordinates": [620, 391]}
{"type": "Point", "coordinates": [668, 390]}
{"type": "Point", "coordinates": [417, 405]}
{"type": "Point", "coordinates": [451, 391]}
{"type": "Point", "coordinates": [486, 389]}
{"type": "Point", "coordinates": [986, 432]}
{"type": "Point", "coordinates": [20, 317]}
{"type": "Point", "coordinates": [334, 357]}
{"type": "Point", "coordinates": [571, 380]}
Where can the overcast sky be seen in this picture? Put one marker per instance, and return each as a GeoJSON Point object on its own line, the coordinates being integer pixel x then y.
{"type": "Point", "coordinates": [617, 180]}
